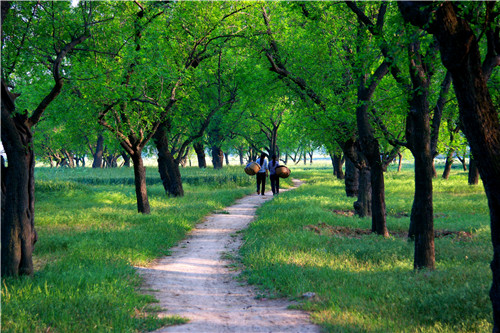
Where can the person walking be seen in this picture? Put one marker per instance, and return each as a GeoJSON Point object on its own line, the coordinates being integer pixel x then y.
{"type": "Point", "coordinates": [275, 180]}
{"type": "Point", "coordinates": [262, 174]}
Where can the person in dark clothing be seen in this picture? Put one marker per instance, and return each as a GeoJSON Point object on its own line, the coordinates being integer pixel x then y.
{"type": "Point", "coordinates": [275, 180]}
{"type": "Point", "coordinates": [262, 174]}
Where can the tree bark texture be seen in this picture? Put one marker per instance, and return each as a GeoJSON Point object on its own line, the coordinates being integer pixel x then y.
{"type": "Point", "coordinates": [168, 167]}
{"type": "Point", "coordinates": [448, 164]}
{"type": "Point", "coordinates": [98, 153]}
{"type": "Point", "coordinates": [140, 184]}
{"type": "Point", "coordinates": [337, 163]}
{"type": "Point", "coordinates": [418, 135]}
{"type": "Point", "coordinates": [217, 157]}
{"type": "Point", "coordinates": [473, 172]}
{"type": "Point", "coordinates": [351, 178]}
{"type": "Point", "coordinates": [363, 206]}
{"type": "Point", "coordinates": [200, 154]}
{"type": "Point", "coordinates": [18, 189]}
{"type": "Point", "coordinates": [371, 151]}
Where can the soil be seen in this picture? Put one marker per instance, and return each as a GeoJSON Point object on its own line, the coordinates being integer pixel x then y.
{"type": "Point", "coordinates": [199, 281]}
{"type": "Point", "coordinates": [330, 230]}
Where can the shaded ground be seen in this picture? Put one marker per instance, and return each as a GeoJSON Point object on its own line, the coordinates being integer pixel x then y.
{"type": "Point", "coordinates": [325, 229]}
{"type": "Point", "coordinates": [198, 281]}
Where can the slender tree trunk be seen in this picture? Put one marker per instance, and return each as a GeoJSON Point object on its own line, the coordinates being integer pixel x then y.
{"type": "Point", "coordinates": [98, 153]}
{"type": "Point", "coordinates": [18, 189]}
{"type": "Point", "coordinates": [168, 167]}
{"type": "Point", "coordinates": [241, 154]}
{"type": "Point", "coordinates": [447, 165]}
{"type": "Point", "coordinates": [200, 154]}
{"type": "Point", "coordinates": [363, 207]}
{"type": "Point", "coordinates": [418, 134]}
{"type": "Point", "coordinates": [140, 183]}
{"type": "Point", "coordinates": [434, 171]}
{"type": "Point", "coordinates": [379, 225]}
{"type": "Point", "coordinates": [126, 159]}
{"type": "Point", "coordinates": [400, 159]}
{"type": "Point", "coordinates": [351, 179]}
{"type": "Point", "coordinates": [217, 157]}
{"type": "Point", "coordinates": [226, 155]}
{"type": "Point", "coordinates": [339, 162]}
{"type": "Point", "coordinates": [473, 172]}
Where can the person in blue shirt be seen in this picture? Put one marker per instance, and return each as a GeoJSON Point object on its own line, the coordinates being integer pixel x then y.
{"type": "Point", "coordinates": [275, 180]}
{"type": "Point", "coordinates": [262, 174]}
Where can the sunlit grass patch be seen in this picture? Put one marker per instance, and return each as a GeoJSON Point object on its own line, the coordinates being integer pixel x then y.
{"type": "Point", "coordinates": [364, 282]}
{"type": "Point", "coordinates": [91, 236]}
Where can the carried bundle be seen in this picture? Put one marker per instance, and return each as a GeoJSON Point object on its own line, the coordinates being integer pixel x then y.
{"type": "Point", "coordinates": [252, 168]}
{"type": "Point", "coordinates": [282, 171]}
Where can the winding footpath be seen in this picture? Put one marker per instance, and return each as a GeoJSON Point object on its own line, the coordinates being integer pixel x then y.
{"type": "Point", "coordinates": [197, 282]}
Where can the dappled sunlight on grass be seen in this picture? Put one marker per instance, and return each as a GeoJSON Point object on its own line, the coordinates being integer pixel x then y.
{"type": "Point", "coordinates": [364, 282]}
{"type": "Point", "coordinates": [90, 236]}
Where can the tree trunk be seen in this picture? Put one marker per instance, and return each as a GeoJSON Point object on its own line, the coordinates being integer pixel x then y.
{"type": "Point", "coordinates": [363, 207]}
{"type": "Point", "coordinates": [339, 163]}
{"type": "Point", "coordinates": [98, 153]}
{"type": "Point", "coordinates": [400, 159]}
{"type": "Point", "coordinates": [126, 159]}
{"type": "Point", "coordinates": [226, 155]}
{"type": "Point", "coordinates": [351, 178]}
{"type": "Point", "coordinates": [473, 172]}
{"type": "Point", "coordinates": [379, 224]}
{"type": "Point", "coordinates": [447, 165]}
{"type": "Point", "coordinates": [241, 154]}
{"type": "Point", "coordinates": [200, 154]}
{"type": "Point", "coordinates": [434, 171]}
{"type": "Point", "coordinates": [140, 184]}
{"type": "Point", "coordinates": [168, 167]}
{"type": "Point", "coordinates": [418, 134]}
{"type": "Point", "coordinates": [217, 157]}
{"type": "Point", "coordinates": [18, 189]}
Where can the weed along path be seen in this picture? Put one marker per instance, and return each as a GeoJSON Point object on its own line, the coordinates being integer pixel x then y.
{"type": "Point", "coordinates": [197, 282]}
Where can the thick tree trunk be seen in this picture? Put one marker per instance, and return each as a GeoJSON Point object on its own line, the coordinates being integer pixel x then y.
{"type": "Point", "coordinates": [200, 154]}
{"type": "Point", "coordinates": [140, 184]}
{"type": "Point", "coordinates": [98, 153]}
{"type": "Point", "coordinates": [18, 189]}
{"type": "Point", "coordinates": [448, 164]}
{"type": "Point", "coordinates": [217, 157]}
{"type": "Point", "coordinates": [473, 172]}
{"type": "Point", "coordinates": [168, 167]}
{"type": "Point", "coordinates": [351, 178]}
{"type": "Point", "coordinates": [363, 207]}
{"type": "Point", "coordinates": [337, 163]}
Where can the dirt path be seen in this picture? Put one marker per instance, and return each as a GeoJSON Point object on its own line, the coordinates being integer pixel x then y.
{"type": "Point", "coordinates": [195, 281]}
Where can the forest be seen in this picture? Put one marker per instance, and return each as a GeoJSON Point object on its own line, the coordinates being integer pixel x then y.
{"type": "Point", "coordinates": [403, 98]}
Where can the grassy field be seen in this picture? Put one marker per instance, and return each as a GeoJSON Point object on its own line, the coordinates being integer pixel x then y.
{"type": "Point", "coordinates": [307, 241]}
{"type": "Point", "coordinates": [91, 236]}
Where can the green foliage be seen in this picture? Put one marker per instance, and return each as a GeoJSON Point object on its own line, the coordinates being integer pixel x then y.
{"type": "Point", "coordinates": [365, 282]}
{"type": "Point", "coordinates": [90, 237]}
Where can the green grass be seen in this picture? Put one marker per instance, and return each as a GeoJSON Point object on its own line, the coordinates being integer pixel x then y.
{"type": "Point", "coordinates": [365, 283]}
{"type": "Point", "coordinates": [91, 236]}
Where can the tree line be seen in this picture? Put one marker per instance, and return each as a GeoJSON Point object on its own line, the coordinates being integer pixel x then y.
{"type": "Point", "coordinates": [364, 81]}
